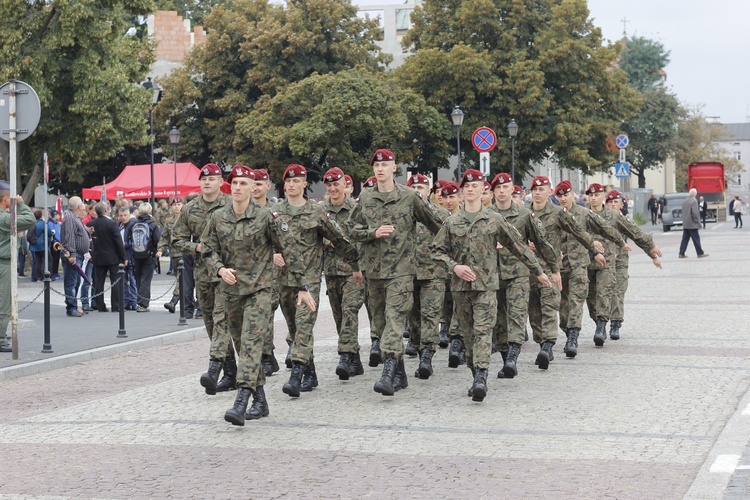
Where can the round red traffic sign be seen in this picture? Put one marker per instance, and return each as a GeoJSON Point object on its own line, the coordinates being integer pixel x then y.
{"type": "Point", "coordinates": [484, 139]}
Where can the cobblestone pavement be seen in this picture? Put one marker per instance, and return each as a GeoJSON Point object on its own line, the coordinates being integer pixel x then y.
{"type": "Point", "coordinates": [660, 413]}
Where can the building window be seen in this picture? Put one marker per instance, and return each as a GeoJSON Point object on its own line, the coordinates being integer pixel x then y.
{"type": "Point", "coordinates": [739, 180]}
{"type": "Point", "coordinates": [737, 155]}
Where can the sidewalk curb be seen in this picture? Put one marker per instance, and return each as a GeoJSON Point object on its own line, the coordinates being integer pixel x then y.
{"type": "Point", "coordinates": [34, 367]}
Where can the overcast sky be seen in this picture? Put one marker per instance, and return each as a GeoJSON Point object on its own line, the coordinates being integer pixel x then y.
{"type": "Point", "coordinates": [708, 41]}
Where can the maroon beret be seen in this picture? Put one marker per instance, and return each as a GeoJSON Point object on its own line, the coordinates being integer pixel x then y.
{"type": "Point", "coordinates": [438, 185]}
{"type": "Point", "coordinates": [564, 187]}
{"type": "Point", "coordinates": [540, 180]}
{"type": "Point", "coordinates": [261, 174]}
{"type": "Point", "coordinates": [294, 170]}
{"type": "Point", "coordinates": [450, 188]}
{"type": "Point", "coordinates": [240, 171]}
{"type": "Point", "coordinates": [614, 195]}
{"type": "Point", "coordinates": [382, 155]}
{"type": "Point", "coordinates": [210, 169]}
{"type": "Point", "coordinates": [418, 179]}
{"type": "Point", "coordinates": [333, 175]}
{"type": "Point", "coordinates": [517, 189]}
{"type": "Point", "coordinates": [369, 183]}
{"type": "Point", "coordinates": [501, 178]}
{"type": "Point", "coordinates": [349, 180]}
{"type": "Point", "coordinates": [472, 175]}
{"type": "Point", "coordinates": [595, 188]}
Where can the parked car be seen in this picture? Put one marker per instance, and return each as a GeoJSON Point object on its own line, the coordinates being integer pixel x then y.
{"type": "Point", "coordinates": [671, 214]}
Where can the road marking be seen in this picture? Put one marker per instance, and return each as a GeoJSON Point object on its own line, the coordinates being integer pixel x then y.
{"type": "Point", "coordinates": [725, 463]}
{"type": "Point", "coordinates": [746, 411]}
{"type": "Point", "coordinates": [743, 467]}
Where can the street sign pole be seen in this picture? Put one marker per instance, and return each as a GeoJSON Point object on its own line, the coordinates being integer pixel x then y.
{"type": "Point", "coordinates": [12, 144]}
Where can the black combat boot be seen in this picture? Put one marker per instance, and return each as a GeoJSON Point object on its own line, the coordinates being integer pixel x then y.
{"type": "Point", "coordinates": [407, 334]}
{"type": "Point", "coordinates": [443, 336]}
{"type": "Point", "coordinates": [211, 377]}
{"type": "Point", "coordinates": [571, 346]}
{"type": "Point", "coordinates": [399, 379]}
{"type": "Point", "coordinates": [462, 359]}
{"type": "Point", "coordinates": [501, 373]}
{"type": "Point", "coordinates": [229, 381]}
{"type": "Point", "coordinates": [170, 306]}
{"type": "Point", "coordinates": [288, 360]}
{"type": "Point", "coordinates": [545, 355]}
{"type": "Point", "coordinates": [470, 393]}
{"type": "Point", "coordinates": [295, 380]}
{"type": "Point", "coordinates": [355, 365]}
{"type": "Point", "coordinates": [454, 355]}
{"type": "Point", "coordinates": [601, 332]}
{"type": "Point", "coordinates": [376, 357]}
{"type": "Point", "coordinates": [425, 364]}
{"type": "Point", "coordinates": [344, 368]}
{"type": "Point", "coordinates": [614, 329]}
{"type": "Point", "coordinates": [310, 378]}
{"type": "Point", "coordinates": [265, 361]}
{"type": "Point", "coordinates": [479, 387]}
{"type": "Point", "coordinates": [236, 414]}
{"type": "Point", "coordinates": [259, 408]}
{"type": "Point", "coordinates": [384, 386]}
{"type": "Point", "coordinates": [410, 349]}
{"type": "Point", "coordinates": [510, 369]}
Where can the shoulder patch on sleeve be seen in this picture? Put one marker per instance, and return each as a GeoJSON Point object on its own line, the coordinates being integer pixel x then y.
{"type": "Point", "coordinates": [275, 215]}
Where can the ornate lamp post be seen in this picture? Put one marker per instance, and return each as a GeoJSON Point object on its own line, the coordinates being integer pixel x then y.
{"type": "Point", "coordinates": [155, 96]}
{"type": "Point", "coordinates": [174, 138]}
{"type": "Point", "coordinates": [457, 116]}
{"type": "Point", "coordinates": [512, 133]}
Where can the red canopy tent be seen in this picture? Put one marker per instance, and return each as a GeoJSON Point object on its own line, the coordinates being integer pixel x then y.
{"type": "Point", "coordinates": [135, 182]}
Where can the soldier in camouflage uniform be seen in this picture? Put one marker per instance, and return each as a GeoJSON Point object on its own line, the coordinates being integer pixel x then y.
{"type": "Point", "coordinates": [261, 186]}
{"type": "Point", "coordinates": [576, 260]}
{"type": "Point", "coordinates": [437, 200]}
{"type": "Point", "coordinates": [186, 239]}
{"type": "Point", "coordinates": [452, 199]}
{"type": "Point", "coordinates": [174, 256]}
{"type": "Point", "coordinates": [429, 288]}
{"type": "Point", "coordinates": [385, 220]}
{"type": "Point", "coordinates": [509, 332]}
{"type": "Point", "coordinates": [517, 195]}
{"type": "Point", "coordinates": [238, 244]}
{"type": "Point", "coordinates": [544, 302]}
{"type": "Point", "coordinates": [343, 283]}
{"type": "Point", "coordinates": [308, 224]}
{"type": "Point", "coordinates": [645, 242]}
{"type": "Point", "coordinates": [467, 244]}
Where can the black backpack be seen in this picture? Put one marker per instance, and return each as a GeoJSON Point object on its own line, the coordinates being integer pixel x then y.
{"type": "Point", "coordinates": [31, 236]}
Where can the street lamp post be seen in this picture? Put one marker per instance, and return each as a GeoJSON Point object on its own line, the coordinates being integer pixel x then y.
{"type": "Point", "coordinates": [174, 138]}
{"type": "Point", "coordinates": [512, 133]}
{"type": "Point", "coordinates": [457, 116]}
{"type": "Point", "coordinates": [155, 96]}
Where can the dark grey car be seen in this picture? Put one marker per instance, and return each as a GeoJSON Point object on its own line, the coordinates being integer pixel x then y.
{"type": "Point", "coordinates": [671, 214]}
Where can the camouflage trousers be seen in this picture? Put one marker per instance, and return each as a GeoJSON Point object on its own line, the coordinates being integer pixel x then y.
{"type": "Point", "coordinates": [300, 321]}
{"type": "Point", "coordinates": [601, 286]}
{"type": "Point", "coordinates": [346, 299]}
{"type": "Point", "coordinates": [391, 301]}
{"type": "Point", "coordinates": [247, 318]}
{"type": "Point", "coordinates": [617, 312]}
{"type": "Point", "coordinates": [573, 297]}
{"type": "Point", "coordinates": [174, 263]}
{"type": "Point", "coordinates": [544, 303]}
{"type": "Point", "coordinates": [214, 318]}
{"type": "Point", "coordinates": [425, 313]}
{"type": "Point", "coordinates": [475, 316]}
{"type": "Point", "coordinates": [512, 311]}
{"type": "Point", "coordinates": [448, 311]}
{"type": "Point", "coordinates": [374, 333]}
{"type": "Point", "coordinates": [268, 346]}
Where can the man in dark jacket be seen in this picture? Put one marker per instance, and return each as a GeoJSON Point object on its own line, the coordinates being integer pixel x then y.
{"type": "Point", "coordinates": [144, 261]}
{"type": "Point", "coordinates": [108, 254]}
{"type": "Point", "coordinates": [691, 223]}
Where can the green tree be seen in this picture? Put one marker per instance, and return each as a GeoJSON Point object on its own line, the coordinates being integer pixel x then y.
{"type": "Point", "coordinates": [339, 119]}
{"type": "Point", "coordinates": [541, 63]}
{"type": "Point", "coordinates": [643, 60]}
{"type": "Point", "coordinates": [253, 49]}
{"type": "Point", "coordinates": [86, 71]}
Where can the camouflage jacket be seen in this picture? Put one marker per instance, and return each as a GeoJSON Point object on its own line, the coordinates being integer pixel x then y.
{"type": "Point", "coordinates": [247, 243]}
{"type": "Point", "coordinates": [614, 220]}
{"type": "Point", "coordinates": [530, 229]}
{"type": "Point", "coordinates": [556, 222]}
{"type": "Point", "coordinates": [427, 268]}
{"type": "Point", "coordinates": [335, 265]}
{"type": "Point", "coordinates": [576, 255]}
{"type": "Point", "coordinates": [392, 256]}
{"type": "Point", "coordinates": [308, 227]}
{"type": "Point", "coordinates": [474, 244]}
{"type": "Point", "coordinates": [188, 228]}
{"type": "Point", "coordinates": [166, 237]}
{"type": "Point", "coordinates": [630, 230]}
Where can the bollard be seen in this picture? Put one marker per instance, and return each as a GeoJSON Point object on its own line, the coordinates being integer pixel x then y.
{"type": "Point", "coordinates": [180, 269]}
{"type": "Point", "coordinates": [121, 333]}
{"type": "Point", "coordinates": [47, 346]}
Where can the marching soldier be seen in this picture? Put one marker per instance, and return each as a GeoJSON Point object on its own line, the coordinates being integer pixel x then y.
{"type": "Point", "coordinates": [344, 284]}
{"type": "Point", "coordinates": [576, 260]}
{"type": "Point", "coordinates": [487, 195]}
{"type": "Point", "coordinates": [186, 238]}
{"type": "Point", "coordinates": [451, 195]}
{"type": "Point", "coordinates": [174, 255]}
{"type": "Point", "coordinates": [429, 288]}
{"type": "Point", "coordinates": [238, 244]}
{"type": "Point", "coordinates": [384, 221]}
{"type": "Point", "coordinates": [645, 242]}
{"type": "Point", "coordinates": [509, 332]}
{"type": "Point", "coordinates": [467, 244]}
{"type": "Point", "coordinates": [544, 302]}
{"type": "Point", "coordinates": [518, 195]}
{"type": "Point", "coordinates": [307, 223]}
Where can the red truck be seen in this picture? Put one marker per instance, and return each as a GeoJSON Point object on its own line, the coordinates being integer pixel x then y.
{"type": "Point", "coordinates": [707, 177]}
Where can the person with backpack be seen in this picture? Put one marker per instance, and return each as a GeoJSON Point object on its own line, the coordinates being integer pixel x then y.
{"type": "Point", "coordinates": [35, 237]}
{"type": "Point", "coordinates": [144, 240]}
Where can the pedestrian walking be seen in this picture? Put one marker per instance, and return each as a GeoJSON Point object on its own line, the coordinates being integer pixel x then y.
{"type": "Point", "coordinates": [108, 254]}
{"type": "Point", "coordinates": [174, 255]}
{"type": "Point", "coordinates": [737, 207]}
{"type": "Point", "coordinates": [691, 223]}
{"type": "Point", "coordinates": [76, 240]}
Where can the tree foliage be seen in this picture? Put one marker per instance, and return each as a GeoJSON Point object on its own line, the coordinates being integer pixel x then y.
{"type": "Point", "coordinates": [643, 59]}
{"type": "Point", "coordinates": [256, 49]}
{"type": "Point", "coordinates": [541, 63]}
{"type": "Point", "coordinates": [339, 119]}
{"type": "Point", "coordinates": [86, 72]}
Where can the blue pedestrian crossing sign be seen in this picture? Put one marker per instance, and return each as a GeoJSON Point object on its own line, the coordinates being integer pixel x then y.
{"type": "Point", "coordinates": [622, 170]}
{"type": "Point", "coordinates": [622, 141]}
